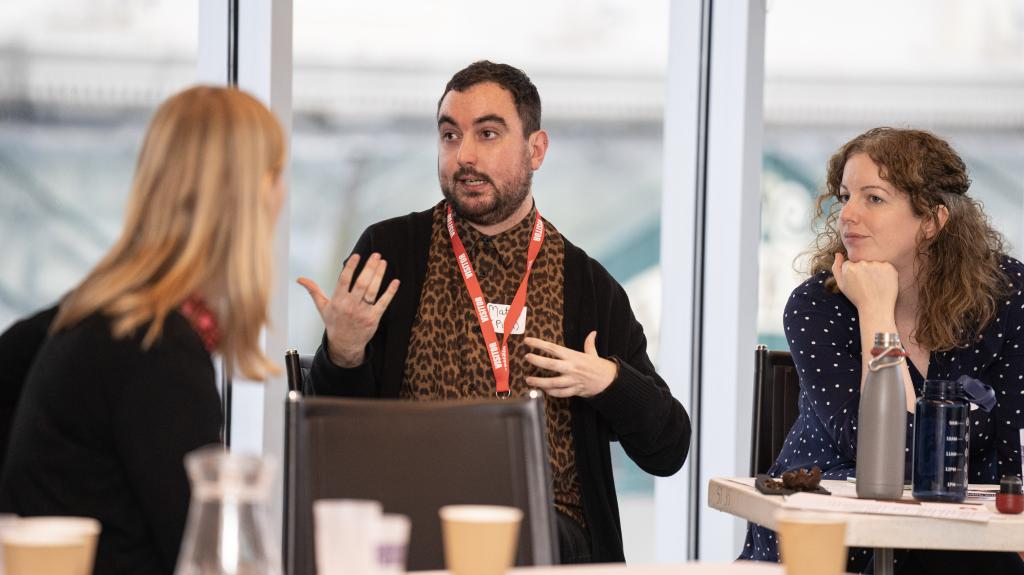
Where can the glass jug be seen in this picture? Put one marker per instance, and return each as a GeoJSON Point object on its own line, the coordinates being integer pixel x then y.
{"type": "Point", "coordinates": [228, 531]}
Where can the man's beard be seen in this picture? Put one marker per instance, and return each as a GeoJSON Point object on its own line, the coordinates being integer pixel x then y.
{"type": "Point", "coordinates": [505, 200]}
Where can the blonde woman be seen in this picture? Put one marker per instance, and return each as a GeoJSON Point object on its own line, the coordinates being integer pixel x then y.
{"type": "Point", "coordinates": [124, 385]}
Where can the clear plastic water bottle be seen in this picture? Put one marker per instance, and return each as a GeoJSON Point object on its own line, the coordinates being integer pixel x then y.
{"type": "Point", "coordinates": [941, 436]}
{"type": "Point", "coordinates": [228, 530]}
{"type": "Point", "coordinates": [882, 422]}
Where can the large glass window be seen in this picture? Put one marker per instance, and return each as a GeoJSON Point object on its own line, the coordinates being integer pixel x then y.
{"type": "Point", "coordinates": [367, 81]}
{"type": "Point", "coordinates": [953, 67]}
{"type": "Point", "coordinates": [78, 82]}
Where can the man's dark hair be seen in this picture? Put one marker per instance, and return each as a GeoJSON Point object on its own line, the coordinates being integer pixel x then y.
{"type": "Point", "coordinates": [524, 93]}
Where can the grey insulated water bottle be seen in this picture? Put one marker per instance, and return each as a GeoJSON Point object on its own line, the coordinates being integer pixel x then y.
{"type": "Point", "coordinates": [882, 422]}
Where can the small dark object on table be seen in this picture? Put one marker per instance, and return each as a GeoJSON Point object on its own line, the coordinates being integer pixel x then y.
{"type": "Point", "coordinates": [792, 481]}
{"type": "Point", "coordinates": [802, 480]}
{"type": "Point", "coordinates": [1010, 498]}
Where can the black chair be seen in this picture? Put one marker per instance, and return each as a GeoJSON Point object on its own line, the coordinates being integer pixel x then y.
{"type": "Point", "coordinates": [776, 406]}
{"type": "Point", "coordinates": [19, 345]}
{"type": "Point", "coordinates": [414, 457]}
{"type": "Point", "coordinates": [297, 365]}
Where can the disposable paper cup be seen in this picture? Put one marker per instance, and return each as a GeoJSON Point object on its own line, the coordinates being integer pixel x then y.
{"type": "Point", "coordinates": [52, 545]}
{"type": "Point", "coordinates": [480, 539]}
{"type": "Point", "coordinates": [392, 543]}
{"type": "Point", "coordinates": [7, 520]}
{"type": "Point", "coordinates": [346, 536]}
{"type": "Point", "coordinates": [811, 543]}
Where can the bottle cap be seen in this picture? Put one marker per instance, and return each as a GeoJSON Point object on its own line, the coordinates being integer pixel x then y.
{"type": "Point", "coordinates": [884, 340]}
{"type": "Point", "coordinates": [1010, 485]}
{"type": "Point", "coordinates": [943, 389]}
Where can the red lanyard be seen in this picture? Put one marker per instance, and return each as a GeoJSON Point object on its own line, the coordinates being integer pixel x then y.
{"type": "Point", "coordinates": [202, 320]}
{"type": "Point", "coordinates": [498, 355]}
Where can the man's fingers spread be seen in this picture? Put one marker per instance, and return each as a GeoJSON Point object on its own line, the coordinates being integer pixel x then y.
{"type": "Point", "coordinates": [553, 386]}
{"type": "Point", "coordinates": [547, 347]}
{"type": "Point", "coordinates": [345, 279]}
{"type": "Point", "coordinates": [310, 285]}
{"type": "Point", "coordinates": [374, 288]}
{"type": "Point", "coordinates": [360, 288]}
{"type": "Point", "coordinates": [545, 362]}
{"type": "Point", "coordinates": [387, 296]}
{"type": "Point", "coordinates": [319, 299]}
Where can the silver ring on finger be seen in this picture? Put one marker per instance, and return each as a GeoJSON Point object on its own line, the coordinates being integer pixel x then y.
{"type": "Point", "coordinates": [368, 301]}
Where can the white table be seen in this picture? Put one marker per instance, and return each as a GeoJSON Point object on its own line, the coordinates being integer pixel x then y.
{"type": "Point", "coordinates": [695, 568]}
{"type": "Point", "coordinates": [738, 497]}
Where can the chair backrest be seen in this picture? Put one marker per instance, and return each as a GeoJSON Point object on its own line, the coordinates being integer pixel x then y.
{"type": "Point", "coordinates": [297, 365]}
{"type": "Point", "coordinates": [776, 406]}
{"type": "Point", "coordinates": [414, 457]}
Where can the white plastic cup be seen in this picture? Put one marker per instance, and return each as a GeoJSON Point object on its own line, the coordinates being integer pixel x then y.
{"type": "Point", "coordinates": [346, 536]}
{"type": "Point", "coordinates": [392, 543]}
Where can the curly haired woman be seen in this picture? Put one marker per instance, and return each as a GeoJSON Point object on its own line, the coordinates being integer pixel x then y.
{"type": "Point", "coordinates": [903, 248]}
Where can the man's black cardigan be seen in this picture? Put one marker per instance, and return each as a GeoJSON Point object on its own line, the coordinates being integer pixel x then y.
{"type": "Point", "coordinates": [637, 409]}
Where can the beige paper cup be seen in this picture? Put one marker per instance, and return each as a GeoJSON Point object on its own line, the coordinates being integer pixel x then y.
{"type": "Point", "coordinates": [52, 545]}
{"type": "Point", "coordinates": [811, 543]}
{"type": "Point", "coordinates": [7, 521]}
{"type": "Point", "coordinates": [480, 539]}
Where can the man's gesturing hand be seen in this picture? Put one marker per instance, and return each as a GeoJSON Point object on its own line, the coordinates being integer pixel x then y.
{"type": "Point", "coordinates": [584, 374]}
{"type": "Point", "coordinates": [351, 316]}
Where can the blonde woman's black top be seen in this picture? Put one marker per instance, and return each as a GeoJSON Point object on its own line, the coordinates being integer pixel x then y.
{"type": "Point", "coordinates": [100, 431]}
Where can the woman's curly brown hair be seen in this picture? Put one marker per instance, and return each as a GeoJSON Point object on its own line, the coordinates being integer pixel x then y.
{"type": "Point", "coordinates": [960, 279]}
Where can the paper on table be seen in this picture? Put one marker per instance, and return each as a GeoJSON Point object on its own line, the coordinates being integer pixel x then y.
{"type": "Point", "coordinates": [975, 494]}
{"type": "Point", "coordinates": [813, 502]}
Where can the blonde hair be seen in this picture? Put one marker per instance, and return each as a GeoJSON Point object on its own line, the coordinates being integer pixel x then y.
{"type": "Point", "coordinates": [199, 219]}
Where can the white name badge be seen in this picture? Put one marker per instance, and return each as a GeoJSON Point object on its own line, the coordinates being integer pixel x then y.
{"type": "Point", "coordinates": [499, 311]}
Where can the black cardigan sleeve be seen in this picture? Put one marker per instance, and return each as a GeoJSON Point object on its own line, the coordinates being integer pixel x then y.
{"type": "Point", "coordinates": [404, 242]}
{"type": "Point", "coordinates": [650, 424]}
{"type": "Point", "coordinates": [327, 378]}
{"type": "Point", "coordinates": [19, 345]}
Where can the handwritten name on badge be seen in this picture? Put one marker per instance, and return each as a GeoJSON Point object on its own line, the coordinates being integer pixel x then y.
{"type": "Point", "coordinates": [498, 312]}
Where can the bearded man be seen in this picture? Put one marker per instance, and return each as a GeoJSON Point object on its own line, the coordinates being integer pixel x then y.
{"type": "Point", "coordinates": [422, 305]}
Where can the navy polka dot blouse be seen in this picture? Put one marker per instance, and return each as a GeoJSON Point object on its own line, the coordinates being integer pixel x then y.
{"type": "Point", "coordinates": [824, 338]}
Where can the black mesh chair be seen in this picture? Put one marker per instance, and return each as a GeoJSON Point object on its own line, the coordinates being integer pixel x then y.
{"type": "Point", "coordinates": [297, 365]}
{"type": "Point", "coordinates": [776, 397]}
{"type": "Point", "coordinates": [415, 457]}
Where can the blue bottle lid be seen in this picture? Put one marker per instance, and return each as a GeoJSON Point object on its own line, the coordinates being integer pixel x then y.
{"type": "Point", "coordinates": [943, 389]}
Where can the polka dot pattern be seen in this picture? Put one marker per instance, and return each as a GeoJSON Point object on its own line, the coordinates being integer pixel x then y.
{"type": "Point", "coordinates": [824, 338]}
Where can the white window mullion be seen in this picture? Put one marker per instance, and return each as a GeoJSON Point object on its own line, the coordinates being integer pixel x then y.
{"type": "Point", "coordinates": [680, 167]}
{"type": "Point", "coordinates": [732, 236]}
{"type": "Point", "coordinates": [212, 54]}
{"type": "Point", "coordinates": [264, 52]}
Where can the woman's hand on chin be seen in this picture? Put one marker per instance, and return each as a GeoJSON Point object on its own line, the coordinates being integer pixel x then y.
{"type": "Point", "coordinates": [871, 286]}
